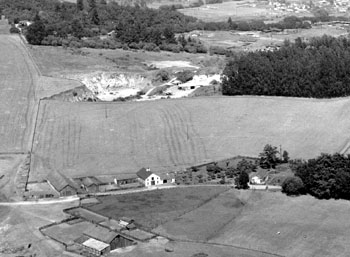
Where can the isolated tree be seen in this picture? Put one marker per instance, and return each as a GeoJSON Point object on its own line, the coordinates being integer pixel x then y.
{"type": "Point", "coordinates": [242, 180]}
{"type": "Point", "coordinates": [293, 186]}
{"type": "Point", "coordinates": [268, 158]}
{"type": "Point", "coordinates": [285, 156]}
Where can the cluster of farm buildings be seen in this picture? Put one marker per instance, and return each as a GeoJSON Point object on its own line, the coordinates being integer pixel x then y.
{"type": "Point", "coordinates": [91, 234]}
{"type": "Point", "coordinates": [58, 185]}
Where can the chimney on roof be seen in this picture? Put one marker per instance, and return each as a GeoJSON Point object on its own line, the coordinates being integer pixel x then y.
{"type": "Point", "coordinates": [148, 169]}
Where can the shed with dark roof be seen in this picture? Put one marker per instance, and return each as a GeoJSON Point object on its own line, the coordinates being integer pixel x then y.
{"type": "Point", "coordinates": [63, 185]}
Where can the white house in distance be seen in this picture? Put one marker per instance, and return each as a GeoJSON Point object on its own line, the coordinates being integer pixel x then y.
{"type": "Point", "coordinates": [148, 178]}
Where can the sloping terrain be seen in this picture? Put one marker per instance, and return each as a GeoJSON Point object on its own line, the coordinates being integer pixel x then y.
{"type": "Point", "coordinates": [300, 226]}
{"type": "Point", "coordinates": [17, 93]}
{"type": "Point", "coordinates": [109, 138]}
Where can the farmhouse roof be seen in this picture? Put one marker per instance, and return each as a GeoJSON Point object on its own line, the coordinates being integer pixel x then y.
{"type": "Point", "coordinates": [100, 233]}
{"type": "Point", "coordinates": [59, 182]}
{"type": "Point", "coordinates": [143, 173]}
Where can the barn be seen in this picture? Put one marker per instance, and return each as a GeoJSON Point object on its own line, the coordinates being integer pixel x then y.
{"type": "Point", "coordinates": [89, 184]}
{"type": "Point", "coordinates": [98, 240]}
{"type": "Point", "coordinates": [63, 185]}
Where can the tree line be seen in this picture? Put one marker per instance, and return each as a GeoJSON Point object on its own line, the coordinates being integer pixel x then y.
{"type": "Point", "coordinates": [82, 23]}
{"type": "Point", "coordinates": [325, 177]}
{"type": "Point", "coordinates": [316, 68]}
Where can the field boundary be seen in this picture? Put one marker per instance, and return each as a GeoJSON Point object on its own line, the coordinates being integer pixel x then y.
{"type": "Point", "coordinates": [226, 245]}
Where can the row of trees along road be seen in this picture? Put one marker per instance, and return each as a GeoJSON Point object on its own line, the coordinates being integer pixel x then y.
{"type": "Point", "coordinates": [317, 68]}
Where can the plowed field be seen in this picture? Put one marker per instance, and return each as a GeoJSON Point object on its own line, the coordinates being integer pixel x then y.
{"type": "Point", "coordinates": [108, 138]}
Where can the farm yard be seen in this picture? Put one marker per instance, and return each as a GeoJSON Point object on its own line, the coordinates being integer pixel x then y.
{"type": "Point", "coordinates": [82, 139]}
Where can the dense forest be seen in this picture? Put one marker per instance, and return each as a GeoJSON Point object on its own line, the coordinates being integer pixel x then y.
{"type": "Point", "coordinates": [316, 68]}
{"type": "Point", "coordinates": [327, 176]}
{"type": "Point", "coordinates": [82, 24]}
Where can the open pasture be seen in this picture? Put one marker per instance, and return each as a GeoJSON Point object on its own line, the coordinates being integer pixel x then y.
{"type": "Point", "coordinates": [17, 93]}
{"type": "Point", "coordinates": [240, 41]}
{"type": "Point", "coordinates": [289, 226]}
{"type": "Point", "coordinates": [152, 208]}
{"type": "Point", "coordinates": [75, 64]}
{"type": "Point", "coordinates": [82, 139]}
{"type": "Point", "coordinates": [237, 10]}
{"type": "Point", "coordinates": [204, 222]}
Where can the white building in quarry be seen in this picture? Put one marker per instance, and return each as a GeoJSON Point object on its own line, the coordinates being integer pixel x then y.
{"type": "Point", "coordinates": [149, 178]}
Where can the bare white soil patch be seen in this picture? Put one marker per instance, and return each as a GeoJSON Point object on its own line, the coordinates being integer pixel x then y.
{"type": "Point", "coordinates": [110, 86]}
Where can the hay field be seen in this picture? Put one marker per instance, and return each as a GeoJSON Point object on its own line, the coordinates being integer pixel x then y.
{"type": "Point", "coordinates": [109, 138]}
{"type": "Point", "coordinates": [17, 93]}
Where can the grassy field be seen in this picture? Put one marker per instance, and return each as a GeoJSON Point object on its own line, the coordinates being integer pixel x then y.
{"type": "Point", "coordinates": [197, 225]}
{"type": "Point", "coordinates": [301, 226]}
{"type": "Point", "coordinates": [237, 10]}
{"type": "Point", "coordinates": [155, 207]}
{"type": "Point", "coordinates": [237, 42]}
{"type": "Point", "coordinates": [60, 62]}
{"type": "Point", "coordinates": [17, 84]}
{"type": "Point", "coordinates": [109, 138]}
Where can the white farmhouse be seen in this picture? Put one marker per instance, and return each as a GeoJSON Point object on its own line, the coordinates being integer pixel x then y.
{"type": "Point", "coordinates": [148, 178]}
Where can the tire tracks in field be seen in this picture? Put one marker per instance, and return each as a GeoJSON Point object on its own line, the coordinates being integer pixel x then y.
{"type": "Point", "coordinates": [171, 136]}
{"type": "Point", "coordinates": [197, 144]}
